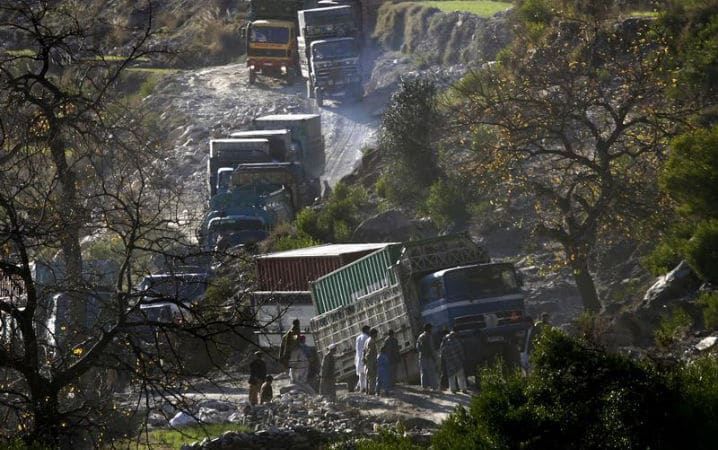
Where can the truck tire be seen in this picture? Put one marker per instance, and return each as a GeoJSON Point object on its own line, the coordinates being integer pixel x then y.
{"type": "Point", "coordinates": [252, 76]}
{"type": "Point", "coordinates": [320, 98]}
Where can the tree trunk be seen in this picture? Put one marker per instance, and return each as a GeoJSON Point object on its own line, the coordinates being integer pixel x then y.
{"type": "Point", "coordinates": [584, 283]}
{"type": "Point", "coordinates": [70, 238]}
{"type": "Point", "coordinates": [46, 415]}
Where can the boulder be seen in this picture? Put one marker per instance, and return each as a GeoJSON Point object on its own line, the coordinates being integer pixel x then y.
{"type": "Point", "coordinates": [182, 419]}
{"type": "Point", "coordinates": [678, 283]}
{"type": "Point", "coordinates": [393, 226]}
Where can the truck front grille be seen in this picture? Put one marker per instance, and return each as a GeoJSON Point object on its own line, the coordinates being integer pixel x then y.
{"type": "Point", "coordinates": [470, 323]}
{"type": "Point", "coordinates": [338, 75]}
{"type": "Point", "coordinates": [267, 52]}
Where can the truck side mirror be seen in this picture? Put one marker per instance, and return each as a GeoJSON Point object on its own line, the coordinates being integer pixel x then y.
{"type": "Point", "coordinates": [243, 33]}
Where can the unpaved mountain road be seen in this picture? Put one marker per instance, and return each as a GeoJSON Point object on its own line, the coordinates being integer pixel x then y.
{"type": "Point", "coordinates": [199, 105]}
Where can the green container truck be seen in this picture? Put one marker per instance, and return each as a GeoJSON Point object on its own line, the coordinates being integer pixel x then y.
{"type": "Point", "coordinates": [447, 281]}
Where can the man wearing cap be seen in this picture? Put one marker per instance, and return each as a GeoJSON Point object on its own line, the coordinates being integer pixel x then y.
{"type": "Point", "coordinates": [257, 375]}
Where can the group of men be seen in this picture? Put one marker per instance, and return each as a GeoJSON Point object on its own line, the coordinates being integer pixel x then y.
{"type": "Point", "coordinates": [376, 364]}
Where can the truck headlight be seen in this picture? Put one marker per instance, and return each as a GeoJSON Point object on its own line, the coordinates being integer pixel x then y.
{"type": "Point", "coordinates": [284, 70]}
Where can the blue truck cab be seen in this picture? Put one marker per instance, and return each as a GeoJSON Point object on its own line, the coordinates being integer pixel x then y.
{"type": "Point", "coordinates": [483, 302]}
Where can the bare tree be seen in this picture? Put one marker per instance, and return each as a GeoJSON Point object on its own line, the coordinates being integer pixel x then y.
{"type": "Point", "coordinates": [80, 170]}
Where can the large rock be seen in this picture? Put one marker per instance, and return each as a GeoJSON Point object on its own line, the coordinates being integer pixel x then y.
{"type": "Point", "coordinates": [676, 284]}
{"type": "Point", "coordinates": [393, 226]}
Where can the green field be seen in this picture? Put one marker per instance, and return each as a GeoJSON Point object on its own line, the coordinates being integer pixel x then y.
{"type": "Point", "coordinates": [484, 8]}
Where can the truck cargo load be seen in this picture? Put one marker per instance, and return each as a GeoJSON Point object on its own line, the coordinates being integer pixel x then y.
{"type": "Point", "coordinates": [292, 270]}
{"type": "Point", "coordinates": [283, 285]}
{"type": "Point", "coordinates": [307, 136]}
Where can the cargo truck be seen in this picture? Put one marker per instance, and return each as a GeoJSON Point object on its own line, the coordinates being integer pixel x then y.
{"type": "Point", "coordinates": [228, 153]}
{"type": "Point", "coordinates": [307, 139]}
{"type": "Point", "coordinates": [271, 37]}
{"type": "Point", "coordinates": [446, 281]}
{"type": "Point", "coordinates": [282, 292]}
{"type": "Point", "coordinates": [329, 53]}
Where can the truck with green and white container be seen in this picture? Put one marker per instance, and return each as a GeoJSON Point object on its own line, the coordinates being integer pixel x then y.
{"type": "Point", "coordinates": [447, 281]}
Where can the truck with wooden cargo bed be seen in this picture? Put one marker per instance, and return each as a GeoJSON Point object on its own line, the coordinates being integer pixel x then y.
{"type": "Point", "coordinates": [448, 281]}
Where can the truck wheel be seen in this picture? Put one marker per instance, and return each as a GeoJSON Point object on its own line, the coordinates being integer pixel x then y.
{"type": "Point", "coordinates": [252, 76]}
{"type": "Point", "coordinates": [310, 89]}
{"type": "Point", "coordinates": [320, 98]}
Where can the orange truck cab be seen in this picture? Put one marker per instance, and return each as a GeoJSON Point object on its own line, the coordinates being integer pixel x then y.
{"type": "Point", "coordinates": [272, 49]}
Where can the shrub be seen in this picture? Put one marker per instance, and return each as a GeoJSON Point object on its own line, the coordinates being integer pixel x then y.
{"type": "Point", "coordinates": [580, 396]}
{"type": "Point", "coordinates": [446, 204]}
{"type": "Point", "coordinates": [702, 251]}
{"type": "Point", "coordinates": [709, 300]}
{"type": "Point", "coordinates": [339, 217]}
{"type": "Point", "coordinates": [673, 327]}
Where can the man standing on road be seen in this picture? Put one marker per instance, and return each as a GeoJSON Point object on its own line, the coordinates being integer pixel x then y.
{"type": "Point", "coordinates": [327, 385]}
{"type": "Point", "coordinates": [391, 348]}
{"type": "Point", "coordinates": [359, 358]}
{"type": "Point", "coordinates": [427, 359]}
{"type": "Point", "coordinates": [370, 355]}
{"type": "Point", "coordinates": [453, 357]}
{"type": "Point", "coordinates": [289, 341]}
{"type": "Point", "coordinates": [257, 376]}
{"type": "Point", "coordinates": [299, 362]}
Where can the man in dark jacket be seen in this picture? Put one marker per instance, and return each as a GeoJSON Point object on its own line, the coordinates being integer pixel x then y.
{"type": "Point", "coordinates": [327, 385]}
{"type": "Point", "coordinates": [257, 376]}
{"type": "Point", "coordinates": [391, 348]}
{"type": "Point", "coordinates": [452, 356]}
{"type": "Point", "coordinates": [427, 359]}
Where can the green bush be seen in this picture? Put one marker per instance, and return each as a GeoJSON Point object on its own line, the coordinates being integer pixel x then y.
{"type": "Point", "coordinates": [709, 301]}
{"type": "Point", "coordinates": [702, 251]}
{"type": "Point", "coordinates": [674, 326]}
{"type": "Point", "coordinates": [581, 396]}
{"type": "Point", "coordinates": [446, 203]}
{"type": "Point", "coordinates": [339, 217]}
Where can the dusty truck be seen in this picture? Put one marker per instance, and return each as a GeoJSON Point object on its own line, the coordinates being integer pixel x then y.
{"type": "Point", "coordinates": [282, 290]}
{"type": "Point", "coordinates": [329, 48]}
{"type": "Point", "coordinates": [228, 153]}
{"type": "Point", "coordinates": [446, 281]}
{"type": "Point", "coordinates": [271, 37]}
{"type": "Point", "coordinates": [307, 140]}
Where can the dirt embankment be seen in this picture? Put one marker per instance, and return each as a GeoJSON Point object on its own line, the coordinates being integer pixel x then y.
{"type": "Point", "coordinates": [436, 38]}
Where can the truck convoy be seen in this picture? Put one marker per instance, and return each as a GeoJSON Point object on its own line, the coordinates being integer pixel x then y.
{"type": "Point", "coordinates": [447, 281]}
{"type": "Point", "coordinates": [259, 178]}
{"type": "Point", "coordinates": [329, 46]}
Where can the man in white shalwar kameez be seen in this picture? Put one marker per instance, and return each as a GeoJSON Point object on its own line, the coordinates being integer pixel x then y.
{"type": "Point", "coordinates": [359, 358]}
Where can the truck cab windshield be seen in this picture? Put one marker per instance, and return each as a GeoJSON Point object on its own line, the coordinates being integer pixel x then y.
{"type": "Point", "coordinates": [269, 35]}
{"type": "Point", "coordinates": [481, 282]}
{"type": "Point", "coordinates": [335, 50]}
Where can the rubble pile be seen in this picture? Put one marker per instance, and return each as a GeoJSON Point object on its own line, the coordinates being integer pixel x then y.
{"type": "Point", "coordinates": [297, 420]}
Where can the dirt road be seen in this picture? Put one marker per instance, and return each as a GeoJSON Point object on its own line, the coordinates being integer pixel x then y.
{"type": "Point", "coordinates": [196, 106]}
